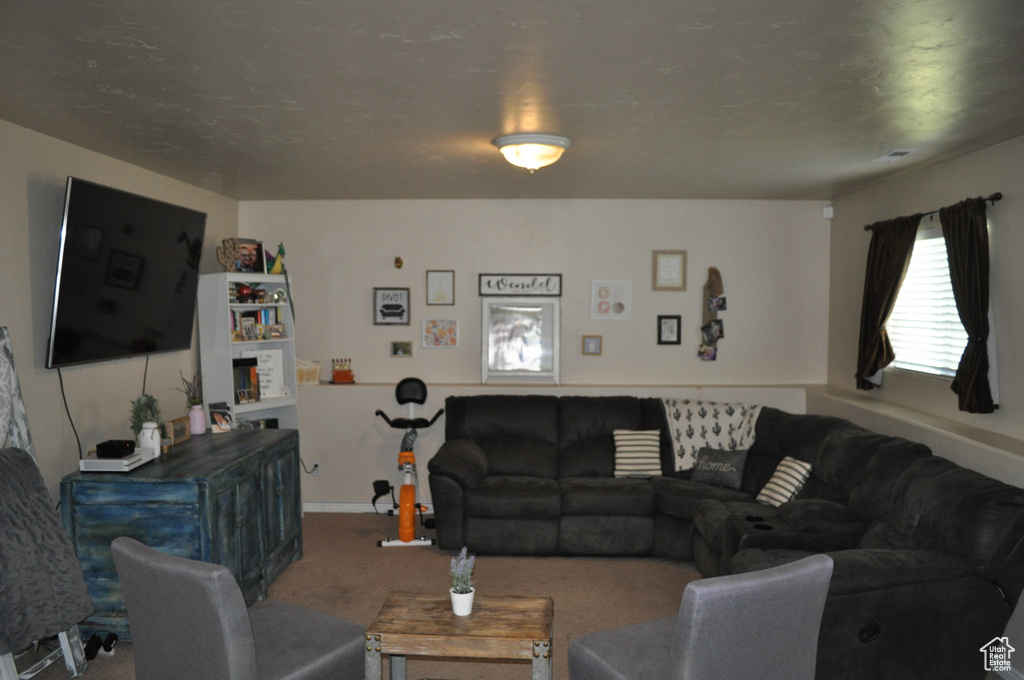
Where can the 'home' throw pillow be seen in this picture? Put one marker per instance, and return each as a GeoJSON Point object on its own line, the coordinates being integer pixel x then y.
{"type": "Point", "coordinates": [785, 484]}
{"type": "Point", "coordinates": [718, 467]}
{"type": "Point", "coordinates": [637, 453]}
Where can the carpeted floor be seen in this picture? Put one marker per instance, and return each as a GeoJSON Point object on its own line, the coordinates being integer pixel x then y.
{"type": "Point", "coordinates": [343, 572]}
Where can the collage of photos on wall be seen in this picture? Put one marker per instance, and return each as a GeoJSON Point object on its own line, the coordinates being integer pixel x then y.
{"type": "Point", "coordinates": [712, 328]}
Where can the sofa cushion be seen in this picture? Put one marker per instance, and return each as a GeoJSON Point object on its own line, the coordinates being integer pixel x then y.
{"type": "Point", "coordinates": [637, 453]}
{"type": "Point", "coordinates": [606, 496]}
{"type": "Point", "coordinates": [780, 434]}
{"type": "Point", "coordinates": [939, 505]}
{"type": "Point", "coordinates": [720, 468]}
{"type": "Point", "coordinates": [518, 433]}
{"type": "Point", "coordinates": [854, 462]}
{"type": "Point", "coordinates": [518, 456]}
{"type": "Point", "coordinates": [679, 497]}
{"type": "Point", "coordinates": [820, 516]}
{"type": "Point", "coordinates": [585, 427]}
{"type": "Point", "coordinates": [512, 496]}
{"type": "Point", "coordinates": [789, 478]}
{"type": "Point", "coordinates": [871, 495]}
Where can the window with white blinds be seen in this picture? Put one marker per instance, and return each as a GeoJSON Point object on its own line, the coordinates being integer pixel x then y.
{"type": "Point", "coordinates": [924, 328]}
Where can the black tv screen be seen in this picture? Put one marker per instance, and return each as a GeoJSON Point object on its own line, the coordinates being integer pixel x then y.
{"type": "Point", "coordinates": [127, 274]}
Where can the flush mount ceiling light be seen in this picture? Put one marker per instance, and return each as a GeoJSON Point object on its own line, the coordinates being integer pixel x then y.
{"type": "Point", "coordinates": [532, 150]}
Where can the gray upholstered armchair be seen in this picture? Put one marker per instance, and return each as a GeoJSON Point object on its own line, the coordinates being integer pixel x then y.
{"type": "Point", "coordinates": [189, 620]}
{"type": "Point", "coordinates": [42, 590]}
{"type": "Point", "coordinates": [757, 626]}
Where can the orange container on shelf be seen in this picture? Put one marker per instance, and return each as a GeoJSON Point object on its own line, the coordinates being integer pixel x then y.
{"type": "Point", "coordinates": [341, 371]}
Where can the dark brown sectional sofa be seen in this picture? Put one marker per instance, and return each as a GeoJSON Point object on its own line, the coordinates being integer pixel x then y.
{"type": "Point", "coordinates": [929, 556]}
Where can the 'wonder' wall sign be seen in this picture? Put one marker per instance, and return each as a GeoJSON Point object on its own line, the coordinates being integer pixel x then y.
{"type": "Point", "coordinates": [521, 284]}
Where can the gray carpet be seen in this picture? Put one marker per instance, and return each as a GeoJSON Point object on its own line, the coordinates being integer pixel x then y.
{"type": "Point", "coordinates": [343, 572]}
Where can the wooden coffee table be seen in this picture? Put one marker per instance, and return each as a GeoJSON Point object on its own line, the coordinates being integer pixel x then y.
{"type": "Point", "coordinates": [500, 627]}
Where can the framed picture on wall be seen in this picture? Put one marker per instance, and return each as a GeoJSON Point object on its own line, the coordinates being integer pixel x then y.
{"type": "Point", "coordinates": [391, 306]}
{"type": "Point", "coordinates": [669, 270]}
{"type": "Point", "coordinates": [520, 340]}
{"type": "Point", "coordinates": [668, 330]}
{"type": "Point", "coordinates": [592, 345]}
{"type": "Point", "coordinates": [611, 300]}
{"type": "Point", "coordinates": [440, 332]}
{"type": "Point", "coordinates": [440, 287]}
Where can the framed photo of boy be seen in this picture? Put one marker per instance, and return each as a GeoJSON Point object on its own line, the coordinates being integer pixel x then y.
{"type": "Point", "coordinates": [250, 256]}
{"type": "Point", "coordinates": [668, 329]}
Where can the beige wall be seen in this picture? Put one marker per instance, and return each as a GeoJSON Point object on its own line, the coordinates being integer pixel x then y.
{"type": "Point", "coordinates": [917, 401]}
{"type": "Point", "coordinates": [35, 171]}
{"type": "Point", "coordinates": [772, 257]}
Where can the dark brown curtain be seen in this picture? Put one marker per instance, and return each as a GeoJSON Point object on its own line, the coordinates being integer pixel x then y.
{"type": "Point", "coordinates": [965, 229]}
{"type": "Point", "coordinates": [892, 243]}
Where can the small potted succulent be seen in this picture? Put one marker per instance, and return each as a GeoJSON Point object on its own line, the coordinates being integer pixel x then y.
{"type": "Point", "coordinates": [193, 392]}
{"type": "Point", "coordinates": [146, 422]}
{"type": "Point", "coordinates": [462, 589]}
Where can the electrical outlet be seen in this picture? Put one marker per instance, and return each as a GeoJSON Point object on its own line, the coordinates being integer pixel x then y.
{"type": "Point", "coordinates": [316, 470]}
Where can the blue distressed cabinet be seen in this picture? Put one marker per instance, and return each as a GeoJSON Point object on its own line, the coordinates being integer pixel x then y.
{"type": "Point", "coordinates": [230, 498]}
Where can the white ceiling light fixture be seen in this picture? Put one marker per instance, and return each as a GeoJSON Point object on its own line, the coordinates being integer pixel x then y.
{"type": "Point", "coordinates": [532, 150]}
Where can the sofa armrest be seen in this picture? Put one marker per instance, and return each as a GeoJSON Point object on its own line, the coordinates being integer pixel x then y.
{"type": "Point", "coordinates": [462, 460]}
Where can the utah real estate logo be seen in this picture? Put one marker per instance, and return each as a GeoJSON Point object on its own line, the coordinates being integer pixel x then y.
{"type": "Point", "coordinates": [996, 653]}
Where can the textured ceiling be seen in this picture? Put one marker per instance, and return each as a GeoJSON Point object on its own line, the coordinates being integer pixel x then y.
{"type": "Point", "coordinates": [311, 99]}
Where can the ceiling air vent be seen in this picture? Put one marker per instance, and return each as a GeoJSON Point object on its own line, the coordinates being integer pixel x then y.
{"type": "Point", "coordinates": [893, 156]}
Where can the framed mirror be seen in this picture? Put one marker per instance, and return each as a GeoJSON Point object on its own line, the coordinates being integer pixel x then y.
{"type": "Point", "coordinates": [520, 340]}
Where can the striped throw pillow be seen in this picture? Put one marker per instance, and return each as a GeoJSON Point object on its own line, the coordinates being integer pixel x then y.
{"type": "Point", "coordinates": [785, 484]}
{"type": "Point", "coordinates": [637, 453]}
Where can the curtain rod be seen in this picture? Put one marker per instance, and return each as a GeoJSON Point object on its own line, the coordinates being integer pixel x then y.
{"type": "Point", "coordinates": [997, 196]}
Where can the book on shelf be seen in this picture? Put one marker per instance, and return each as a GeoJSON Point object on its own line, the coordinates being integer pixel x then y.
{"type": "Point", "coordinates": [246, 380]}
{"type": "Point", "coordinates": [256, 324]}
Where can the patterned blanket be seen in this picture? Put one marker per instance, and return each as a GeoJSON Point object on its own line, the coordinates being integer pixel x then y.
{"type": "Point", "coordinates": [696, 424]}
{"type": "Point", "coordinates": [13, 420]}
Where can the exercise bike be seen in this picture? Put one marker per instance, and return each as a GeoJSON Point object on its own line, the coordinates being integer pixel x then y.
{"type": "Point", "coordinates": [408, 391]}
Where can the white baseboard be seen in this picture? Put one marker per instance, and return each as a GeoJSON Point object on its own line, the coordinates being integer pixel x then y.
{"type": "Point", "coordinates": [353, 506]}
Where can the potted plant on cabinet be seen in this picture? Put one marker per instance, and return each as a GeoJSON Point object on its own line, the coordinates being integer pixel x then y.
{"type": "Point", "coordinates": [193, 391]}
{"type": "Point", "coordinates": [146, 421]}
{"type": "Point", "coordinates": [462, 590]}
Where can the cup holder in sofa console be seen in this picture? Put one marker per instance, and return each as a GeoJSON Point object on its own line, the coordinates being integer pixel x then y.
{"type": "Point", "coordinates": [761, 526]}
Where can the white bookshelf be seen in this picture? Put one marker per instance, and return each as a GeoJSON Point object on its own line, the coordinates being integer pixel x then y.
{"type": "Point", "coordinates": [221, 341]}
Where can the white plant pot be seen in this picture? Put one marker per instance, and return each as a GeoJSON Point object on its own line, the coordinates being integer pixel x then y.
{"type": "Point", "coordinates": [462, 603]}
{"type": "Point", "coordinates": [149, 437]}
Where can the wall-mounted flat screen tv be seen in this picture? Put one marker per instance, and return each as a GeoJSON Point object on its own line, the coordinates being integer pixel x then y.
{"type": "Point", "coordinates": [127, 274]}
